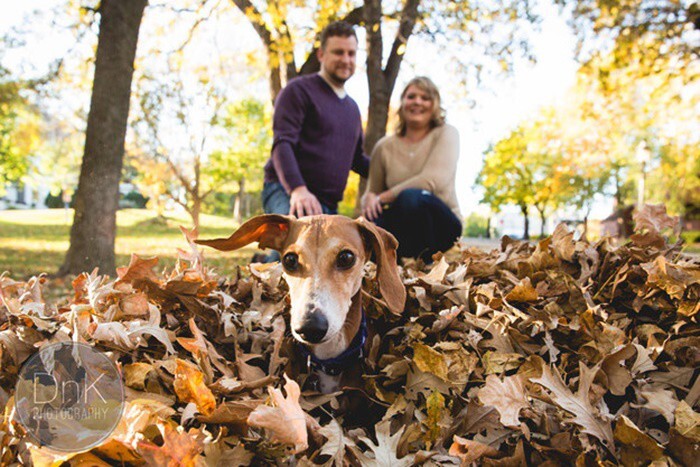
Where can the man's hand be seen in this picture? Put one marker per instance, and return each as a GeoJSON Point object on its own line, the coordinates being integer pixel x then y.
{"type": "Point", "coordinates": [303, 203]}
{"type": "Point", "coordinates": [371, 206]}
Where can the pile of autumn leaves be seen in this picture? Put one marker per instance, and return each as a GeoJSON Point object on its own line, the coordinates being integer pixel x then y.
{"type": "Point", "coordinates": [556, 353]}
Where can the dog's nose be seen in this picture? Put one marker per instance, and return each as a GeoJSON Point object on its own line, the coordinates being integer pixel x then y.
{"type": "Point", "coordinates": [313, 328]}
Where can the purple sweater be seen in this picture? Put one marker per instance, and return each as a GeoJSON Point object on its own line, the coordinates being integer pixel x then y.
{"type": "Point", "coordinates": [317, 140]}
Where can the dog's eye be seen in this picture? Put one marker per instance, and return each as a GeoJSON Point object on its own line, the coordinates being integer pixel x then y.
{"type": "Point", "coordinates": [290, 261]}
{"type": "Point", "coordinates": [345, 259]}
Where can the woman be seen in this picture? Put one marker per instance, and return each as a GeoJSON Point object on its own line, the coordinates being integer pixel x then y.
{"type": "Point", "coordinates": [411, 188]}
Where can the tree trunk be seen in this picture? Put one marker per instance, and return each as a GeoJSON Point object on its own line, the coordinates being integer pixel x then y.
{"type": "Point", "coordinates": [196, 210]}
{"type": "Point", "coordinates": [543, 219]}
{"type": "Point", "coordinates": [96, 201]}
{"type": "Point", "coordinates": [382, 81]}
{"type": "Point", "coordinates": [526, 219]}
{"type": "Point", "coordinates": [238, 206]}
{"type": "Point", "coordinates": [488, 227]}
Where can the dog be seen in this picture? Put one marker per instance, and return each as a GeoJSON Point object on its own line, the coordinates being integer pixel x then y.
{"type": "Point", "coordinates": [323, 258]}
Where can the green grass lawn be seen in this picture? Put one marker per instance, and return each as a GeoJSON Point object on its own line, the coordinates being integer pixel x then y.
{"type": "Point", "coordinates": [35, 241]}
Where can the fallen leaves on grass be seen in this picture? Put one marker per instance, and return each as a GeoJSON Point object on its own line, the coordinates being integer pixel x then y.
{"type": "Point", "coordinates": [559, 352]}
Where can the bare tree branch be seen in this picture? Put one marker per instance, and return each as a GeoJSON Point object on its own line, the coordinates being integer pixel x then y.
{"type": "Point", "coordinates": [409, 15]}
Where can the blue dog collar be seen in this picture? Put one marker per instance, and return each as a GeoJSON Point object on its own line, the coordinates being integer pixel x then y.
{"type": "Point", "coordinates": [336, 365]}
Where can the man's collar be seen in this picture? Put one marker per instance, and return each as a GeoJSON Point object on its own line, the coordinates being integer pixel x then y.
{"type": "Point", "coordinates": [336, 365]}
{"type": "Point", "coordinates": [338, 90]}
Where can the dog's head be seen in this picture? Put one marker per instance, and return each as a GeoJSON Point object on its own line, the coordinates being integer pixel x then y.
{"type": "Point", "coordinates": [323, 259]}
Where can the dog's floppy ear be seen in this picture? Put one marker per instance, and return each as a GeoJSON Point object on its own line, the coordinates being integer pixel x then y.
{"type": "Point", "coordinates": [269, 230]}
{"type": "Point", "coordinates": [384, 246]}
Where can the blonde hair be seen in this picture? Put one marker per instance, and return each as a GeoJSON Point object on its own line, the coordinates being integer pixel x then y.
{"type": "Point", "coordinates": [426, 85]}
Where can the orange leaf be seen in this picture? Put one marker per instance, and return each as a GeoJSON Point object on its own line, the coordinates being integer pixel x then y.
{"type": "Point", "coordinates": [179, 448]}
{"type": "Point", "coordinates": [138, 268]}
{"type": "Point", "coordinates": [189, 387]}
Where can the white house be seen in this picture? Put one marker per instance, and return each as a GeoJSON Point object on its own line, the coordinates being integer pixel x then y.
{"type": "Point", "coordinates": [19, 195]}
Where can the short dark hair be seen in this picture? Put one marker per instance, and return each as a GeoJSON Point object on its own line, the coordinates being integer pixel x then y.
{"type": "Point", "coordinates": [339, 29]}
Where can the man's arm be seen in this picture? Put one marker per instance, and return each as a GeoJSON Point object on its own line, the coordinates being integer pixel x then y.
{"type": "Point", "coordinates": [288, 118]}
{"type": "Point", "coordinates": [290, 110]}
{"type": "Point", "coordinates": [360, 161]}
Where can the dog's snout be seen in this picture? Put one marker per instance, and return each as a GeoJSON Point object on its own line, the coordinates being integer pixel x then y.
{"type": "Point", "coordinates": [314, 327]}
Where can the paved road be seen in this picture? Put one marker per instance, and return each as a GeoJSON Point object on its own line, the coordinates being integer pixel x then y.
{"type": "Point", "coordinates": [487, 244]}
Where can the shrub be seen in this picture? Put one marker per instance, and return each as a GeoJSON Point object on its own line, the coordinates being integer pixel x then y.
{"type": "Point", "coordinates": [56, 202]}
{"type": "Point", "coordinates": [476, 225]}
{"type": "Point", "coordinates": [133, 199]}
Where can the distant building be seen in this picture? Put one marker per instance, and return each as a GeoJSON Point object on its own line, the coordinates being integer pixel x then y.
{"type": "Point", "coordinates": [24, 196]}
{"type": "Point", "coordinates": [20, 195]}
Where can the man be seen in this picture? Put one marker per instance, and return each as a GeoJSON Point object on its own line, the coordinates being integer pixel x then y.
{"type": "Point", "coordinates": [317, 134]}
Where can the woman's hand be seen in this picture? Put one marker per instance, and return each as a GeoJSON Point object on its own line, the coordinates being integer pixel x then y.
{"type": "Point", "coordinates": [371, 206]}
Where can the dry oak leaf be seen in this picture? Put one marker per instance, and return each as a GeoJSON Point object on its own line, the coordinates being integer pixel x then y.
{"type": "Point", "coordinates": [653, 218]}
{"type": "Point", "coordinates": [139, 413]}
{"type": "Point", "coordinates": [194, 256]}
{"type": "Point", "coordinates": [189, 387]}
{"type": "Point", "coordinates": [471, 451]}
{"type": "Point", "coordinates": [507, 396]}
{"type": "Point", "coordinates": [337, 443]}
{"type": "Point", "coordinates": [618, 375]}
{"type": "Point", "coordinates": [579, 405]}
{"type": "Point", "coordinates": [179, 449]}
{"type": "Point", "coordinates": [385, 449]}
{"type": "Point", "coordinates": [659, 400]}
{"type": "Point", "coordinates": [523, 292]}
{"type": "Point", "coordinates": [563, 242]}
{"type": "Point", "coordinates": [286, 422]}
{"type": "Point", "coordinates": [430, 360]}
{"type": "Point", "coordinates": [638, 448]}
{"type": "Point", "coordinates": [687, 421]}
{"type": "Point", "coordinates": [671, 278]}
{"type": "Point", "coordinates": [135, 374]}
{"type": "Point", "coordinates": [138, 268]}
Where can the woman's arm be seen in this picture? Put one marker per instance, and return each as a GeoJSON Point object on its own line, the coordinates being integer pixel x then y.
{"type": "Point", "coordinates": [376, 183]}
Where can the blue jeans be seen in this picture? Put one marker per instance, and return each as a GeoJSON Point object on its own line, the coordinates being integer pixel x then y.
{"type": "Point", "coordinates": [422, 223]}
{"type": "Point", "coordinates": [276, 201]}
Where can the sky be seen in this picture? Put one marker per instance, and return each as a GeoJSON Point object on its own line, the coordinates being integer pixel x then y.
{"type": "Point", "coordinates": [500, 104]}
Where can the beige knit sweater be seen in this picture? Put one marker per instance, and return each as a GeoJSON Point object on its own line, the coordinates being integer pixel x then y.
{"type": "Point", "coordinates": [430, 164]}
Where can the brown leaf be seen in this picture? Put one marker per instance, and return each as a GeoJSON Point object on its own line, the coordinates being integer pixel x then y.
{"type": "Point", "coordinates": [430, 361]}
{"type": "Point", "coordinates": [659, 400]}
{"type": "Point", "coordinates": [687, 421]}
{"type": "Point", "coordinates": [134, 305]}
{"type": "Point", "coordinates": [337, 442]}
{"type": "Point", "coordinates": [563, 242]}
{"type": "Point", "coordinates": [194, 256]}
{"type": "Point", "coordinates": [653, 218]}
{"type": "Point", "coordinates": [670, 278]}
{"type": "Point", "coordinates": [523, 292]}
{"type": "Point", "coordinates": [135, 374]}
{"type": "Point", "coordinates": [507, 396]}
{"type": "Point", "coordinates": [286, 422]}
{"type": "Point", "coordinates": [138, 269]}
{"type": "Point", "coordinates": [179, 449]}
{"type": "Point", "coordinates": [385, 451]}
{"type": "Point", "coordinates": [619, 377]}
{"type": "Point", "coordinates": [637, 447]}
{"type": "Point", "coordinates": [471, 451]}
{"type": "Point", "coordinates": [500, 362]}
{"type": "Point", "coordinates": [231, 412]}
{"type": "Point", "coordinates": [579, 404]}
